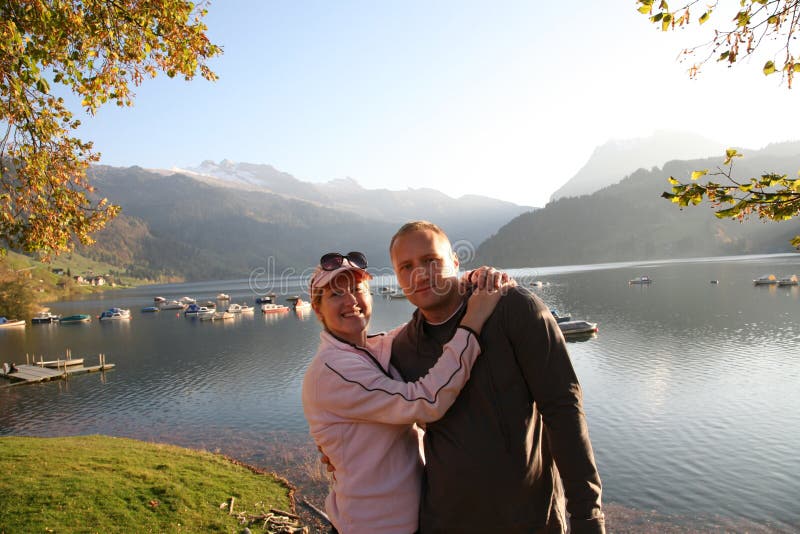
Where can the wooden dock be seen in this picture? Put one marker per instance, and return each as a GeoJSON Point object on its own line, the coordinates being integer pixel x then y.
{"type": "Point", "coordinates": [33, 374]}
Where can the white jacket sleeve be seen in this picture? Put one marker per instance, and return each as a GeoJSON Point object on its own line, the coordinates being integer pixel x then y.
{"type": "Point", "coordinates": [354, 387]}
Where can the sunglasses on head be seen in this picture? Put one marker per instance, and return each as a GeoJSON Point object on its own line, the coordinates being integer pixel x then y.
{"type": "Point", "coordinates": [333, 260]}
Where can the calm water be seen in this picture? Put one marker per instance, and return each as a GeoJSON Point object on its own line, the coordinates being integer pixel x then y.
{"type": "Point", "coordinates": [691, 389]}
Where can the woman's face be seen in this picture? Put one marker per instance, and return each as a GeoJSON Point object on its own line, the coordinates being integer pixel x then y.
{"type": "Point", "coordinates": [346, 307]}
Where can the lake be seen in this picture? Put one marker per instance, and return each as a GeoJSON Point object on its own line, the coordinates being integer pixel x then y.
{"type": "Point", "coordinates": [690, 388]}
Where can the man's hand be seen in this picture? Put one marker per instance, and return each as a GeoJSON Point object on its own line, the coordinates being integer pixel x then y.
{"type": "Point", "coordinates": [329, 467]}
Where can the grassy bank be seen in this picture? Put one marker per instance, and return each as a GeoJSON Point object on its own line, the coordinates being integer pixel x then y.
{"type": "Point", "coordinates": [105, 484]}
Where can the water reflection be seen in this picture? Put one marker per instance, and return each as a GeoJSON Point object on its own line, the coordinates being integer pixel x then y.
{"type": "Point", "coordinates": [690, 389]}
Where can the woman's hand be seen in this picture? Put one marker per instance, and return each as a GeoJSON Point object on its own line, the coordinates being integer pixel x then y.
{"type": "Point", "coordinates": [484, 277]}
{"type": "Point", "coordinates": [482, 303]}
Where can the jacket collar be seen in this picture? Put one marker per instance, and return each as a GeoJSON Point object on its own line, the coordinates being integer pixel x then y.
{"type": "Point", "coordinates": [378, 351]}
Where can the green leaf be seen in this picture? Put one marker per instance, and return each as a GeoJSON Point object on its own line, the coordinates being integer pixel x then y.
{"type": "Point", "coordinates": [704, 17]}
{"type": "Point", "coordinates": [769, 68]}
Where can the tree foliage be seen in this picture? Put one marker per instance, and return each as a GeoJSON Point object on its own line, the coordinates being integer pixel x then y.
{"type": "Point", "coordinates": [756, 24]}
{"type": "Point", "coordinates": [16, 297]}
{"type": "Point", "coordinates": [98, 50]}
{"type": "Point", "coordinates": [770, 196]}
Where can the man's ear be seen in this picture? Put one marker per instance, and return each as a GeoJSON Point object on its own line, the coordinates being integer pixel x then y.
{"type": "Point", "coordinates": [455, 259]}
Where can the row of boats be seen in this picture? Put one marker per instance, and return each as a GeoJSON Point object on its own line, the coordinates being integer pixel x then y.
{"type": "Point", "coordinates": [765, 280]}
{"type": "Point", "coordinates": [188, 305]}
{"type": "Point", "coordinates": [771, 280]}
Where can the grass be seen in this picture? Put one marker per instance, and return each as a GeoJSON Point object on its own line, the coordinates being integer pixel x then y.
{"type": "Point", "coordinates": [106, 484]}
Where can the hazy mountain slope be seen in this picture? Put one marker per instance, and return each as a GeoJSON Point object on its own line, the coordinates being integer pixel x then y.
{"type": "Point", "coordinates": [615, 159]}
{"type": "Point", "coordinates": [380, 204]}
{"type": "Point", "coordinates": [630, 221]}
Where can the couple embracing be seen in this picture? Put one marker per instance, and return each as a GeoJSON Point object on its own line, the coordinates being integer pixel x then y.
{"type": "Point", "coordinates": [483, 373]}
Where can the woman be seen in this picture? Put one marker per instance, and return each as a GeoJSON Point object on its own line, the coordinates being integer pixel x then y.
{"type": "Point", "coordinates": [359, 410]}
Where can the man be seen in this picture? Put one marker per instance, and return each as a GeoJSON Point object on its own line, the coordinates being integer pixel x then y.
{"type": "Point", "coordinates": [497, 460]}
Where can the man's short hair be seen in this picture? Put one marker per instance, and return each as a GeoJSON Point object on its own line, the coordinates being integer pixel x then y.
{"type": "Point", "coordinates": [416, 226]}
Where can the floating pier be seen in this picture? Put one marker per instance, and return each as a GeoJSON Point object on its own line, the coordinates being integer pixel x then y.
{"type": "Point", "coordinates": [33, 373]}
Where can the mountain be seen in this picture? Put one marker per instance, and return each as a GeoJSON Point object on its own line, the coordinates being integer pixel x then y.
{"type": "Point", "coordinates": [616, 159]}
{"type": "Point", "coordinates": [194, 226]}
{"type": "Point", "coordinates": [630, 221]}
{"type": "Point", "coordinates": [347, 194]}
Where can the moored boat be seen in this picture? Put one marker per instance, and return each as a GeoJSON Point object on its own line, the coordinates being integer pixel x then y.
{"type": "Point", "coordinates": [222, 315]}
{"type": "Point", "coordinates": [11, 323]}
{"type": "Point", "coordinates": [274, 308]}
{"type": "Point", "coordinates": [642, 280]}
{"type": "Point", "coordinates": [76, 319]}
{"type": "Point", "coordinates": [302, 305]}
{"type": "Point", "coordinates": [172, 305]}
{"type": "Point", "coordinates": [396, 295]}
{"type": "Point", "coordinates": [193, 310]}
{"type": "Point", "coordinates": [572, 328]}
{"type": "Point", "coordinates": [150, 309]}
{"type": "Point", "coordinates": [765, 280]}
{"type": "Point", "coordinates": [234, 308]}
{"type": "Point", "coordinates": [45, 317]}
{"type": "Point", "coordinates": [115, 314]}
{"type": "Point", "coordinates": [788, 280]}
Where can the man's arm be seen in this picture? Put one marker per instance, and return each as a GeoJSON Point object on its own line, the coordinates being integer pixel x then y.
{"type": "Point", "coordinates": [543, 358]}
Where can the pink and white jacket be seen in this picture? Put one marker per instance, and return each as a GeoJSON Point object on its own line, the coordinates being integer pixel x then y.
{"type": "Point", "coordinates": [361, 413]}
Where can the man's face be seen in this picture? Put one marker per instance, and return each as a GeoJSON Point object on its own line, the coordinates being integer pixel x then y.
{"type": "Point", "coordinates": [426, 269]}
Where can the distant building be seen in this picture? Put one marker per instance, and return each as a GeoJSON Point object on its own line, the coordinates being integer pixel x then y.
{"type": "Point", "coordinates": [97, 281]}
{"type": "Point", "coordinates": [79, 279]}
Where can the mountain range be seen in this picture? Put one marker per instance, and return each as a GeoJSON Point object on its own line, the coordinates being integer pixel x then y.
{"type": "Point", "coordinates": [630, 221]}
{"type": "Point", "coordinates": [223, 220]}
{"type": "Point", "coordinates": [234, 218]}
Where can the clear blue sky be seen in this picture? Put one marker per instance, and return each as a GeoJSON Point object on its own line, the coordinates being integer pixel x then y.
{"type": "Point", "coordinates": [507, 99]}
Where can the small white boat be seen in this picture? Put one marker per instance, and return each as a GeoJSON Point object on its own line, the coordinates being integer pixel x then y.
{"type": "Point", "coordinates": [187, 300]}
{"type": "Point", "coordinates": [301, 305]}
{"type": "Point", "coordinates": [193, 310]}
{"type": "Point", "coordinates": [11, 323]}
{"type": "Point", "coordinates": [234, 308]}
{"type": "Point", "coordinates": [788, 281]}
{"type": "Point", "coordinates": [223, 296]}
{"type": "Point", "coordinates": [45, 317]}
{"type": "Point", "coordinates": [246, 308]}
{"type": "Point", "coordinates": [397, 295]}
{"type": "Point", "coordinates": [115, 314]}
{"type": "Point", "coordinates": [572, 328]}
{"type": "Point", "coordinates": [159, 300]}
{"type": "Point", "coordinates": [766, 280]}
{"type": "Point", "coordinates": [537, 283]}
{"type": "Point", "coordinates": [274, 308]}
{"type": "Point", "coordinates": [384, 290]}
{"type": "Point", "coordinates": [642, 280]}
{"type": "Point", "coordinates": [222, 315]}
{"type": "Point", "coordinates": [172, 305]}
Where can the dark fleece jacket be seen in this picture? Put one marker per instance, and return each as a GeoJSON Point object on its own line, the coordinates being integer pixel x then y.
{"type": "Point", "coordinates": [497, 460]}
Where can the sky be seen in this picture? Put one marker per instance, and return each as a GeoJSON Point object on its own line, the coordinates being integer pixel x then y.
{"type": "Point", "coordinates": [505, 99]}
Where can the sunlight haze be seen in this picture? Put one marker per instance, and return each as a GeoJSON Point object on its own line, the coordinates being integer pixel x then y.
{"type": "Point", "coordinates": [506, 100]}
